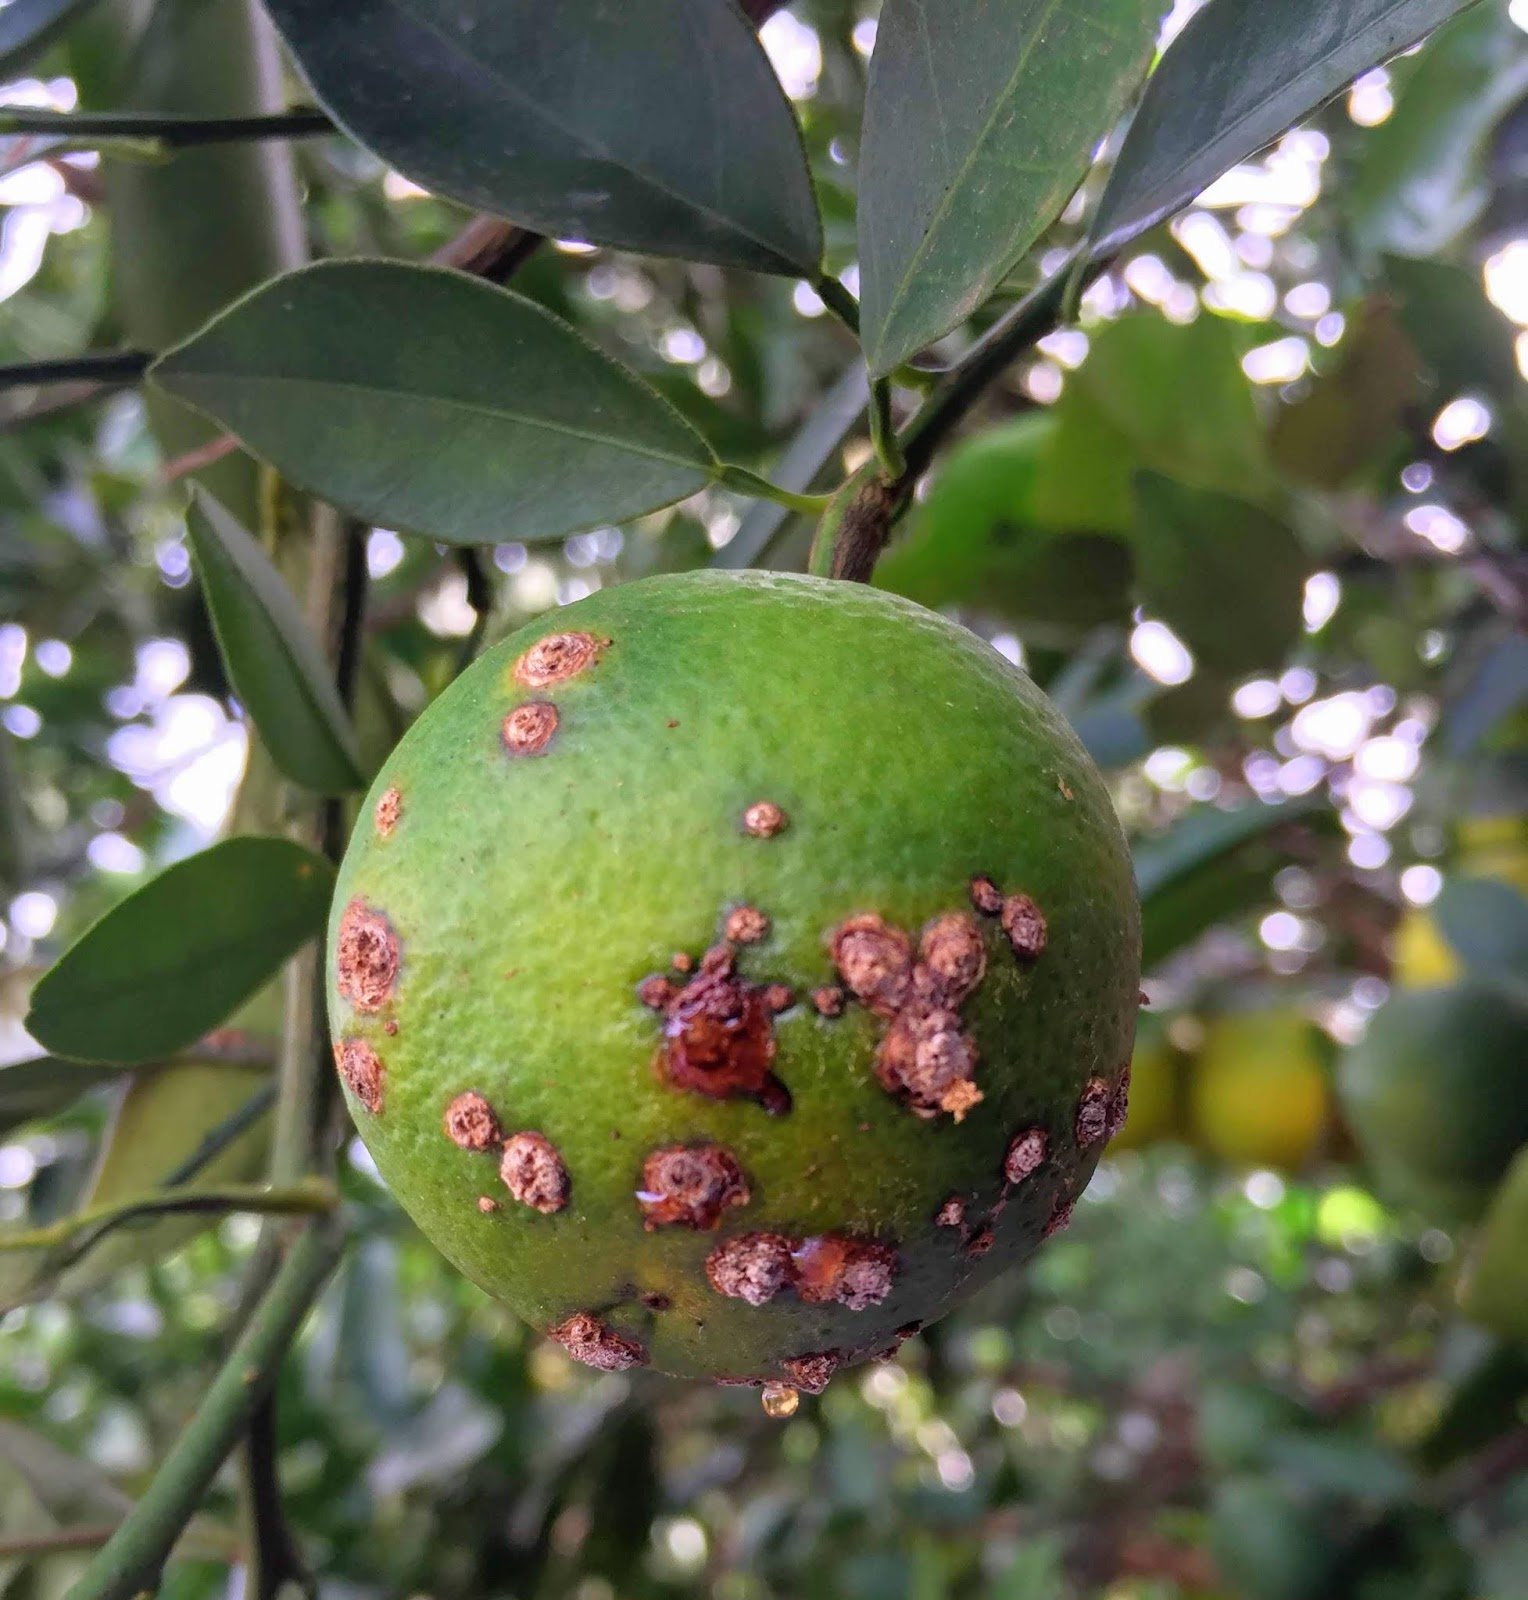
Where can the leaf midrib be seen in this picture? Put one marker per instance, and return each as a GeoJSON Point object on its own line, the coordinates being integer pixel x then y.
{"type": "Point", "coordinates": [449, 403]}
{"type": "Point", "coordinates": [964, 169]}
{"type": "Point", "coordinates": [653, 181]}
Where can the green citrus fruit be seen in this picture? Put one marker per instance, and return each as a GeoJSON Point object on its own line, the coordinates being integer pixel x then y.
{"type": "Point", "coordinates": [730, 972]}
{"type": "Point", "coordinates": [1258, 1093]}
{"type": "Point", "coordinates": [1436, 1096]}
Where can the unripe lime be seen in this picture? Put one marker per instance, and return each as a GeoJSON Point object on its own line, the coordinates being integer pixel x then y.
{"type": "Point", "coordinates": [728, 973]}
{"type": "Point", "coordinates": [1435, 1094]}
{"type": "Point", "coordinates": [1258, 1093]}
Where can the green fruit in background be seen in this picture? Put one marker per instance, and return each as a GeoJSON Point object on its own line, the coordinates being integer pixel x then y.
{"type": "Point", "coordinates": [1156, 1091]}
{"type": "Point", "coordinates": [1493, 1289]}
{"type": "Point", "coordinates": [1258, 1092]}
{"type": "Point", "coordinates": [729, 973]}
{"type": "Point", "coordinates": [1437, 1096]}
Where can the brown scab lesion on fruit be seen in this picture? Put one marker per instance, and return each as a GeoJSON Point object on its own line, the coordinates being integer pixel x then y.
{"type": "Point", "coordinates": [764, 819]}
{"type": "Point", "coordinates": [487, 1204]}
{"type": "Point", "coordinates": [746, 925]}
{"type": "Point", "coordinates": [719, 1035]}
{"type": "Point", "coordinates": [810, 1373]}
{"type": "Point", "coordinates": [1092, 1121]}
{"type": "Point", "coordinates": [828, 1001]}
{"type": "Point", "coordinates": [1025, 1155]}
{"type": "Point", "coordinates": [558, 657]}
{"type": "Point", "coordinates": [655, 1300]}
{"type": "Point", "coordinates": [857, 1273]}
{"type": "Point", "coordinates": [952, 952]}
{"type": "Point", "coordinates": [529, 728]}
{"type": "Point", "coordinates": [928, 1060]}
{"type": "Point", "coordinates": [366, 957]}
{"type": "Point", "coordinates": [689, 1186]}
{"type": "Point", "coordinates": [1025, 925]}
{"type": "Point", "coordinates": [980, 1243]}
{"type": "Point", "coordinates": [875, 961]}
{"type": "Point", "coordinates": [753, 1266]}
{"type": "Point", "coordinates": [1119, 1103]}
{"type": "Point", "coordinates": [534, 1173]}
{"type": "Point", "coordinates": [361, 1069]}
{"type": "Point", "coordinates": [387, 811]}
{"type": "Point", "coordinates": [1060, 1217]}
{"type": "Point", "coordinates": [587, 1339]}
{"type": "Point", "coordinates": [470, 1122]}
{"type": "Point", "coordinates": [951, 1212]}
{"type": "Point", "coordinates": [985, 895]}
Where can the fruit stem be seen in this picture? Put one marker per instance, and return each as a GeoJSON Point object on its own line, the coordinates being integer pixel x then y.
{"type": "Point", "coordinates": [130, 1562]}
{"type": "Point", "coordinates": [883, 431]}
{"type": "Point", "coordinates": [743, 481]}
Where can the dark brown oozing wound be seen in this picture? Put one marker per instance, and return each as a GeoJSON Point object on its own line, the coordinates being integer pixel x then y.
{"type": "Point", "coordinates": [719, 1036]}
{"type": "Point", "coordinates": [587, 1339]}
{"type": "Point", "coordinates": [366, 957]}
{"type": "Point", "coordinates": [857, 1273]}
{"type": "Point", "coordinates": [470, 1122]}
{"type": "Point", "coordinates": [534, 1173]}
{"type": "Point", "coordinates": [363, 1073]}
{"type": "Point", "coordinates": [689, 1186]}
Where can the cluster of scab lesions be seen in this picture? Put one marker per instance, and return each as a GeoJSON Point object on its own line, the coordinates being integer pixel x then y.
{"type": "Point", "coordinates": [718, 1039]}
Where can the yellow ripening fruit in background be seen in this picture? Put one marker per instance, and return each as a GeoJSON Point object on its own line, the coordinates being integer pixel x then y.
{"type": "Point", "coordinates": [1258, 1093]}
{"type": "Point", "coordinates": [1156, 1092]}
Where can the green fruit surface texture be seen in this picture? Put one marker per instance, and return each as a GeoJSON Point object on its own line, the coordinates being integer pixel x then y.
{"type": "Point", "coordinates": [1436, 1093]}
{"type": "Point", "coordinates": [739, 765]}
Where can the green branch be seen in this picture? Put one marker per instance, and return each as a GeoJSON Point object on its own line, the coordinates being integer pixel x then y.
{"type": "Point", "coordinates": [83, 1229]}
{"type": "Point", "coordinates": [173, 131]}
{"type": "Point", "coordinates": [111, 366]}
{"type": "Point", "coordinates": [130, 1562]}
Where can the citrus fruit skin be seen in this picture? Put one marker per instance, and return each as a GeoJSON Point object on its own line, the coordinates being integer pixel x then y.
{"type": "Point", "coordinates": [1258, 1094]}
{"type": "Point", "coordinates": [1436, 1096]}
{"type": "Point", "coordinates": [771, 758]}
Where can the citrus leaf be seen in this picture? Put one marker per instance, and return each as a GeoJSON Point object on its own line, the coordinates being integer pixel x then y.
{"type": "Point", "coordinates": [1493, 1289]}
{"type": "Point", "coordinates": [427, 400]}
{"type": "Point", "coordinates": [1486, 922]}
{"type": "Point", "coordinates": [1353, 410]}
{"type": "Point", "coordinates": [652, 125]}
{"type": "Point", "coordinates": [175, 958]}
{"type": "Point", "coordinates": [1419, 183]}
{"type": "Point", "coordinates": [273, 660]}
{"type": "Point", "coordinates": [1239, 74]}
{"type": "Point", "coordinates": [1227, 576]}
{"type": "Point", "coordinates": [980, 121]}
{"type": "Point", "coordinates": [28, 27]}
{"type": "Point", "coordinates": [43, 1086]}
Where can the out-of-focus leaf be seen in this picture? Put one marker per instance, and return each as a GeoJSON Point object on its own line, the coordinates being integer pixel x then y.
{"type": "Point", "coordinates": [68, 1492]}
{"type": "Point", "coordinates": [486, 419]}
{"type": "Point", "coordinates": [175, 958]}
{"type": "Point", "coordinates": [1239, 74]}
{"type": "Point", "coordinates": [980, 121]}
{"type": "Point", "coordinates": [652, 125]}
{"type": "Point", "coordinates": [1227, 576]}
{"type": "Point", "coordinates": [1493, 1290]}
{"type": "Point", "coordinates": [30, 1090]}
{"type": "Point", "coordinates": [28, 27]}
{"type": "Point", "coordinates": [1419, 182]}
{"type": "Point", "coordinates": [14, 828]}
{"type": "Point", "coordinates": [1461, 337]}
{"type": "Point", "coordinates": [1495, 686]}
{"type": "Point", "coordinates": [272, 658]}
{"type": "Point", "coordinates": [1341, 1464]}
{"type": "Point", "coordinates": [975, 540]}
{"type": "Point", "coordinates": [1156, 394]}
{"type": "Point", "coordinates": [1206, 867]}
{"type": "Point", "coordinates": [1486, 921]}
{"type": "Point", "coordinates": [454, 1431]}
{"type": "Point", "coordinates": [1272, 1537]}
{"type": "Point", "coordinates": [1352, 411]}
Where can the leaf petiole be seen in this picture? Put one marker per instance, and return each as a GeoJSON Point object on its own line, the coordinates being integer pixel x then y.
{"type": "Point", "coordinates": [742, 481]}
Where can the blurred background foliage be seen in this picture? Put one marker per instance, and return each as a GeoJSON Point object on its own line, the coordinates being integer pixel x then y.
{"type": "Point", "coordinates": [1254, 522]}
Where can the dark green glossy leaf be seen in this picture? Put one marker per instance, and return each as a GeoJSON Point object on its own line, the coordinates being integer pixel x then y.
{"type": "Point", "coordinates": [1486, 921]}
{"type": "Point", "coordinates": [176, 957]}
{"type": "Point", "coordinates": [1353, 410]}
{"type": "Point", "coordinates": [273, 660]}
{"type": "Point", "coordinates": [653, 125]}
{"type": "Point", "coordinates": [42, 1087]}
{"type": "Point", "coordinates": [1463, 339]}
{"type": "Point", "coordinates": [1227, 576]}
{"type": "Point", "coordinates": [28, 27]}
{"type": "Point", "coordinates": [1239, 74]}
{"type": "Point", "coordinates": [487, 419]}
{"type": "Point", "coordinates": [980, 121]}
{"type": "Point", "coordinates": [1419, 181]}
